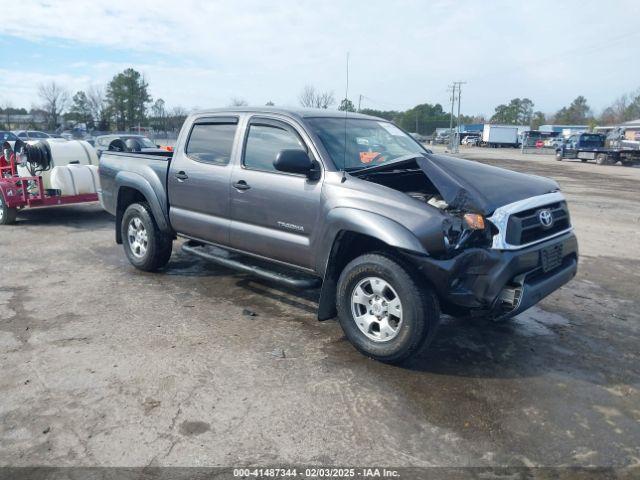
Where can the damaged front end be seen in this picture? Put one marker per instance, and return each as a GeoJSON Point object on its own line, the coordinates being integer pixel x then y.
{"type": "Point", "coordinates": [494, 258]}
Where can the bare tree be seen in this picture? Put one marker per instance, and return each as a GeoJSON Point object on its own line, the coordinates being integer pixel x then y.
{"type": "Point", "coordinates": [7, 106]}
{"type": "Point", "coordinates": [98, 106]}
{"type": "Point", "coordinates": [238, 102]}
{"type": "Point", "coordinates": [307, 97]}
{"type": "Point", "coordinates": [325, 100]}
{"type": "Point", "coordinates": [311, 98]}
{"type": "Point", "coordinates": [176, 117]}
{"type": "Point", "coordinates": [56, 99]}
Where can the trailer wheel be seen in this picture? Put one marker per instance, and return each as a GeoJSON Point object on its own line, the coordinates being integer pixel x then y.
{"type": "Point", "coordinates": [7, 215]}
{"type": "Point", "coordinates": [385, 309]}
{"type": "Point", "coordinates": [602, 159]}
{"type": "Point", "coordinates": [146, 246]}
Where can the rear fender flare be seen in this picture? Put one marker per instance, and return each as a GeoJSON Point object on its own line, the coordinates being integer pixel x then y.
{"type": "Point", "coordinates": [142, 185]}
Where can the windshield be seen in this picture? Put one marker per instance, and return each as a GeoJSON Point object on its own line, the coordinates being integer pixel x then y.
{"type": "Point", "coordinates": [368, 142]}
{"type": "Point", "coordinates": [7, 137]}
{"type": "Point", "coordinates": [592, 140]}
{"type": "Point", "coordinates": [34, 134]}
{"type": "Point", "coordinates": [146, 143]}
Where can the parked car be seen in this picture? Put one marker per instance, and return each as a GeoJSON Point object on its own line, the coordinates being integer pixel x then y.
{"type": "Point", "coordinates": [470, 140]}
{"type": "Point", "coordinates": [6, 136]}
{"type": "Point", "coordinates": [31, 135]}
{"type": "Point", "coordinates": [556, 142]}
{"type": "Point", "coordinates": [125, 143]}
{"type": "Point", "coordinates": [392, 233]}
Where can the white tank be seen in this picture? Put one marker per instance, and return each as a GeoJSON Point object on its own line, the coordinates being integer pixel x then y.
{"type": "Point", "coordinates": [75, 179]}
{"type": "Point", "coordinates": [63, 152]}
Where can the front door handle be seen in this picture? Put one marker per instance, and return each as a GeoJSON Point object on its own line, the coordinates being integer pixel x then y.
{"type": "Point", "coordinates": [181, 176]}
{"type": "Point", "coordinates": [241, 185]}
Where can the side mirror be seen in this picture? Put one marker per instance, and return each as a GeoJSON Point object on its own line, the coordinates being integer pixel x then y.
{"type": "Point", "coordinates": [293, 161]}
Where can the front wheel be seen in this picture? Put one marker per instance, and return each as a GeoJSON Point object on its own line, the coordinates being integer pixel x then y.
{"type": "Point", "coordinates": [147, 247]}
{"type": "Point", "coordinates": [603, 159]}
{"type": "Point", "coordinates": [385, 310]}
{"type": "Point", "coordinates": [559, 156]}
{"type": "Point", "coordinates": [7, 215]}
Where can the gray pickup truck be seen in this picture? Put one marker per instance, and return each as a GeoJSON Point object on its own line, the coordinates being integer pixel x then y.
{"type": "Point", "coordinates": [393, 234]}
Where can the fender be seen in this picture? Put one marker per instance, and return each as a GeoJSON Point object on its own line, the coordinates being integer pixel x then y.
{"type": "Point", "coordinates": [367, 223]}
{"type": "Point", "coordinates": [141, 184]}
{"type": "Point", "coordinates": [357, 221]}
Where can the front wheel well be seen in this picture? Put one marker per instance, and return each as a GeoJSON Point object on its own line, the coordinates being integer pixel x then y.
{"type": "Point", "coordinates": [126, 197]}
{"type": "Point", "coordinates": [347, 246]}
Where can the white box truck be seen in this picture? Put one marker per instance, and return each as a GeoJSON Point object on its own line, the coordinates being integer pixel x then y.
{"type": "Point", "coordinates": [500, 136]}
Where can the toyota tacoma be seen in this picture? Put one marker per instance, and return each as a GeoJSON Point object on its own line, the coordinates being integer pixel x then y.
{"type": "Point", "coordinates": [392, 234]}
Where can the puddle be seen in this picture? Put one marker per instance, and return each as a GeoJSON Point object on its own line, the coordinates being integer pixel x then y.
{"type": "Point", "coordinates": [536, 322]}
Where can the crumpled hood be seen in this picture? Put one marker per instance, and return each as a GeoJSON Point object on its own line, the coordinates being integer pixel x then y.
{"type": "Point", "coordinates": [480, 188]}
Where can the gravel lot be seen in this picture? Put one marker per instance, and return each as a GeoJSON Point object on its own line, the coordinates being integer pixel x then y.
{"type": "Point", "coordinates": [105, 365]}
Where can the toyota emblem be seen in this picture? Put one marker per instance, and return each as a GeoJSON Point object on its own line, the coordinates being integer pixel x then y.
{"type": "Point", "coordinates": [546, 218]}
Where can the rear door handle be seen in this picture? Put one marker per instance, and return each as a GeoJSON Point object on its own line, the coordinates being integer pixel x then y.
{"type": "Point", "coordinates": [241, 185]}
{"type": "Point", "coordinates": [181, 176]}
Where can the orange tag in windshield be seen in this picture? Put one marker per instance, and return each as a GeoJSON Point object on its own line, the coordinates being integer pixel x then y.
{"type": "Point", "coordinates": [367, 157]}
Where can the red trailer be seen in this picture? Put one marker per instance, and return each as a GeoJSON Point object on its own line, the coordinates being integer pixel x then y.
{"type": "Point", "coordinates": [18, 192]}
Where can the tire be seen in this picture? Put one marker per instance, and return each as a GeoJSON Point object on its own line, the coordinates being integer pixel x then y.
{"type": "Point", "coordinates": [7, 215]}
{"type": "Point", "coordinates": [583, 160]}
{"type": "Point", "coordinates": [410, 332]}
{"type": "Point", "coordinates": [602, 159]}
{"type": "Point", "coordinates": [146, 247]}
{"type": "Point", "coordinates": [559, 156]}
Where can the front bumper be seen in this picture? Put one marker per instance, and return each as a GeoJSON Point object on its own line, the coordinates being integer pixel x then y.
{"type": "Point", "coordinates": [476, 279]}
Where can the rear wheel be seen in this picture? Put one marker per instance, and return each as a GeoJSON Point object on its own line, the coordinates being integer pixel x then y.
{"type": "Point", "coordinates": [147, 247]}
{"type": "Point", "coordinates": [385, 310]}
{"type": "Point", "coordinates": [602, 159]}
{"type": "Point", "coordinates": [559, 156]}
{"type": "Point", "coordinates": [7, 215]}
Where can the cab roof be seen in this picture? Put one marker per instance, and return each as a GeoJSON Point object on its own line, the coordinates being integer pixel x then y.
{"type": "Point", "coordinates": [299, 113]}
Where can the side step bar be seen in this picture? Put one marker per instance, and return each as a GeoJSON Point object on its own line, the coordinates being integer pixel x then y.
{"type": "Point", "coordinates": [259, 268]}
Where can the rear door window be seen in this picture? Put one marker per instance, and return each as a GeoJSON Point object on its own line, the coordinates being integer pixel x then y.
{"type": "Point", "coordinates": [212, 142]}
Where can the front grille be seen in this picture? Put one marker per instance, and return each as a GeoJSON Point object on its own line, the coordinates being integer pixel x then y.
{"type": "Point", "coordinates": [525, 227]}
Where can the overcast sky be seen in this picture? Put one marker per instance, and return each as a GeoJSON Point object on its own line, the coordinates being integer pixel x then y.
{"type": "Point", "coordinates": [202, 53]}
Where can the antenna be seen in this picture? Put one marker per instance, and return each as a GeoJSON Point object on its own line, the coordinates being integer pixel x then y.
{"type": "Point", "coordinates": [346, 112]}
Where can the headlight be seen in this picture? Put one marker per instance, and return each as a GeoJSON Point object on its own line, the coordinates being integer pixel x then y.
{"type": "Point", "coordinates": [474, 221]}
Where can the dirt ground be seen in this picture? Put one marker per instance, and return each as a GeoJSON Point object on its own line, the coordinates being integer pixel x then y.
{"type": "Point", "coordinates": [105, 365]}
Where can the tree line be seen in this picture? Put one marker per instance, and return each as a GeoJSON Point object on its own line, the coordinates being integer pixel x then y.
{"type": "Point", "coordinates": [125, 103]}
{"type": "Point", "coordinates": [520, 111]}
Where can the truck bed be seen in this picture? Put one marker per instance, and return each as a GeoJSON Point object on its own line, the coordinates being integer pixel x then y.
{"type": "Point", "coordinates": [153, 167]}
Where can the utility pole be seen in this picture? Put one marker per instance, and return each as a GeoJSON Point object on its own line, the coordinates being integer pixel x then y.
{"type": "Point", "coordinates": [417, 121]}
{"type": "Point", "coordinates": [459, 96]}
{"type": "Point", "coordinates": [453, 99]}
{"type": "Point", "coordinates": [359, 101]}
